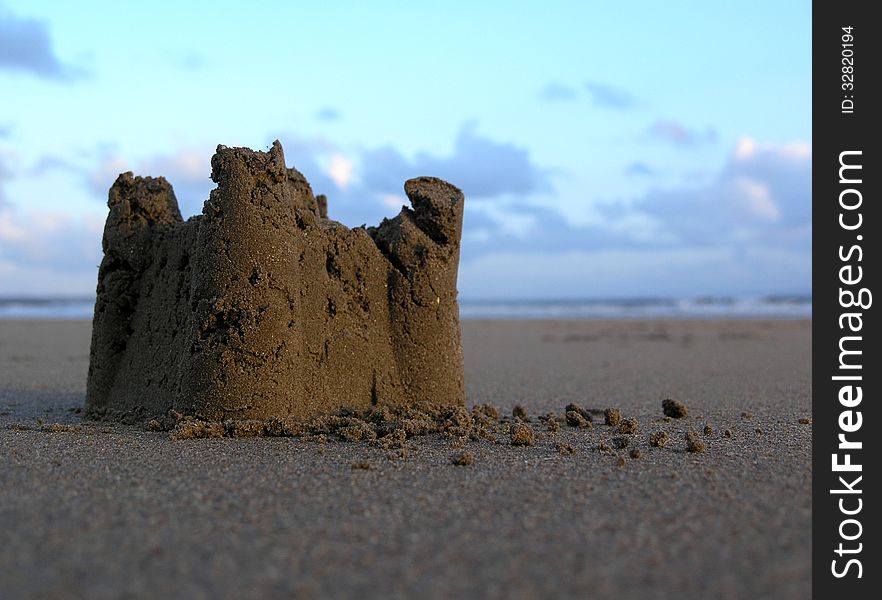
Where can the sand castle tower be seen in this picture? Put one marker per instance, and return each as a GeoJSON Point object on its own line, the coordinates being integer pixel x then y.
{"type": "Point", "coordinates": [262, 306]}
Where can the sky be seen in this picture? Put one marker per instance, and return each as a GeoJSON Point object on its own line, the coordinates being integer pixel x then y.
{"type": "Point", "coordinates": [606, 150]}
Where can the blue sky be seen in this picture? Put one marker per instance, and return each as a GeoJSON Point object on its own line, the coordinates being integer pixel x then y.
{"type": "Point", "coordinates": [605, 149]}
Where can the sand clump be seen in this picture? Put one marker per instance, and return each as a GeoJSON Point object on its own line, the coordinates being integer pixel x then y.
{"type": "Point", "coordinates": [551, 422]}
{"type": "Point", "coordinates": [193, 429]}
{"type": "Point", "coordinates": [487, 410]}
{"type": "Point", "coordinates": [584, 413]}
{"type": "Point", "coordinates": [612, 416]}
{"type": "Point", "coordinates": [576, 416]}
{"type": "Point", "coordinates": [694, 443]}
{"type": "Point", "coordinates": [674, 409]}
{"type": "Point", "coordinates": [522, 435]}
{"type": "Point", "coordinates": [520, 413]}
{"type": "Point", "coordinates": [628, 426]}
{"type": "Point", "coordinates": [463, 459]}
{"type": "Point", "coordinates": [264, 307]}
{"type": "Point", "coordinates": [564, 448]}
{"type": "Point", "coordinates": [575, 419]}
{"type": "Point", "coordinates": [658, 439]}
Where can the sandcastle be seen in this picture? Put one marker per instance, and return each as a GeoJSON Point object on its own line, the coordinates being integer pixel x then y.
{"type": "Point", "coordinates": [264, 307]}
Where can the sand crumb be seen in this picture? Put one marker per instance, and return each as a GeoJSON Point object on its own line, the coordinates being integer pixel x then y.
{"type": "Point", "coordinates": [605, 448]}
{"type": "Point", "coordinates": [463, 459]}
{"type": "Point", "coordinates": [694, 444]}
{"type": "Point", "coordinates": [244, 428]}
{"type": "Point", "coordinates": [392, 441]}
{"type": "Point", "coordinates": [612, 416]}
{"type": "Point", "coordinates": [358, 432]}
{"type": "Point", "coordinates": [627, 426]}
{"type": "Point", "coordinates": [456, 422]}
{"type": "Point", "coordinates": [674, 408]}
{"type": "Point", "coordinates": [586, 414]}
{"type": "Point", "coordinates": [192, 429]}
{"type": "Point", "coordinates": [400, 454]}
{"type": "Point", "coordinates": [519, 412]}
{"type": "Point", "coordinates": [564, 448]}
{"type": "Point", "coordinates": [487, 410]}
{"type": "Point", "coordinates": [658, 439]}
{"type": "Point", "coordinates": [805, 421]}
{"type": "Point", "coordinates": [522, 435]}
{"type": "Point", "coordinates": [727, 433]}
{"type": "Point", "coordinates": [361, 466]}
{"type": "Point", "coordinates": [635, 453]}
{"type": "Point", "coordinates": [708, 429]}
{"type": "Point", "coordinates": [577, 419]}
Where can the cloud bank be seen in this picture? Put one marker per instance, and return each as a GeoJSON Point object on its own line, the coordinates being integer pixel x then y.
{"type": "Point", "coordinates": [747, 230]}
{"type": "Point", "coordinates": [25, 46]}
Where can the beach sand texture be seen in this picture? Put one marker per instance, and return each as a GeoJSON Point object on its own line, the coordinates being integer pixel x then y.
{"type": "Point", "coordinates": [99, 510]}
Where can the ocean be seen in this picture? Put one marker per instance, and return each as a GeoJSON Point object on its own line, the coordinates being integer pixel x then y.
{"type": "Point", "coordinates": [768, 307]}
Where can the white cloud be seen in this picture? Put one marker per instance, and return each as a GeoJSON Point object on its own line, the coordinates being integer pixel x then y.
{"type": "Point", "coordinates": [394, 201]}
{"type": "Point", "coordinates": [186, 163]}
{"type": "Point", "coordinates": [796, 150]}
{"type": "Point", "coordinates": [340, 170]}
{"type": "Point", "coordinates": [745, 148]}
{"type": "Point", "coordinates": [187, 169]}
{"type": "Point", "coordinates": [763, 193]}
{"type": "Point", "coordinates": [10, 231]}
{"type": "Point", "coordinates": [51, 238]}
{"type": "Point", "coordinates": [758, 199]}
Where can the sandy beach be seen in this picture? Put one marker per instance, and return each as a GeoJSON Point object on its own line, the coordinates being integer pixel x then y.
{"type": "Point", "coordinates": [97, 510]}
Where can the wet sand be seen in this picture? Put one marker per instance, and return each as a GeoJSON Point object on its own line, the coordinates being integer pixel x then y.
{"type": "Point", "coordinates": [109, 511]}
